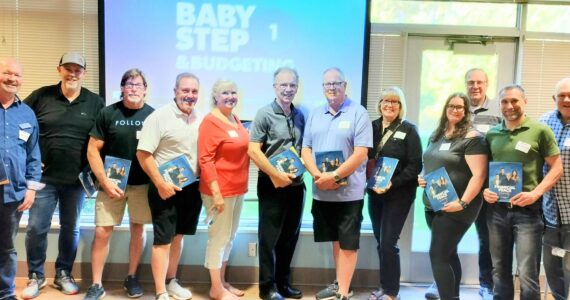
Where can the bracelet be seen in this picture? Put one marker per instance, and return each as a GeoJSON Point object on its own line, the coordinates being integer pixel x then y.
{"type": "Point", "coordinates": [462, 203]}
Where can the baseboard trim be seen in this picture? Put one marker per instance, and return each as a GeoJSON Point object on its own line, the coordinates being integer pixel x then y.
{"type": "Point", "coordinates": [199, 274]}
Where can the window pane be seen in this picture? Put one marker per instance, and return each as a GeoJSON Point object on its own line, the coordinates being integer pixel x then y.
{"type": "Point", "coordinates": [548, 18]}
{"type": "Point", "coordinates": [436, 86]}
{"type": "Point", "coordinates": [439, 13]}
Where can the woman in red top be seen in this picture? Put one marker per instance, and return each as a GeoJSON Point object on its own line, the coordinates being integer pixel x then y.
{"type": "Point", "coordinates": [224, 166]}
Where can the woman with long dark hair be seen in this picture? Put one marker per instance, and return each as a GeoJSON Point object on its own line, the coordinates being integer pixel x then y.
{"type": "Point", "coordinates": [462, 150]}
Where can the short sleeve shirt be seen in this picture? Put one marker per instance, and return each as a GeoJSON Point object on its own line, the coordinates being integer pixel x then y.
{"type": "Point", "coordinates": [168, 133]}
{"type": "Point", "coordinates": [119, 127]}
{"type": "Point", "coordinates": [347, 129]}
{"type": "Point", "coordinates": [450, 154]}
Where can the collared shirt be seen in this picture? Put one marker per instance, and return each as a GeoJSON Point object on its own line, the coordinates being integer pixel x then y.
{"type": "Point", "coordinates": [529, 144]}
{"type": "Point", "coordinates": [168, 133]}
{"type": "Point", "coordinates": [20, 151]}
{"type": "Point", "coordinates": [556, 202]}
{"type": "Point", "coordinates": [276, 131]}
{"type": "Point", "coordinates": [486, 116]}
{"type": "Point", "coordinates": [350, 127]}
{"type": "Point", "coordinates": [64, 130]}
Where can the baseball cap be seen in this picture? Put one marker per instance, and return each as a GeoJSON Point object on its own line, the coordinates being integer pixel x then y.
{"type": "Point", "coordinates": [73, 58]}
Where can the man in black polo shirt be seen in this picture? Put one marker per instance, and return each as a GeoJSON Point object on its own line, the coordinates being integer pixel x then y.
{"type": "Point", "coordinates": [276, 128]}
{"type": "Point", "coordinates": [66, 113]}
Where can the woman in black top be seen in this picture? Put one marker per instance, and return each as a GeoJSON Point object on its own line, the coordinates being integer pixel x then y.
{"type": "Point", "coordinates": [462, 150]}
{"type": "Point", "coordinates": [397, 138]}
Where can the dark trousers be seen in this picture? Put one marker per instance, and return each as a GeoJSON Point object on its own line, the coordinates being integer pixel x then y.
{"type": "Point", "coordinates": [485, 262]}
{"type": "Point", "coordinates": [557, 269]}
{"type": "Point", "coordinates": [280, 212]}
{"type": "Point", "coordinates": [388, 215]}
{"type": "Point", "coordinates": [445, 265]}
{"type": "Point", "coordinates": [9, 220]}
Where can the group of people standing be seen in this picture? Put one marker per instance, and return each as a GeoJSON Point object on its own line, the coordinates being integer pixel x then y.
{"type": "Point", "coordinates": [65, 127]}
{"type": "Point", "coordinates": [474, 130]}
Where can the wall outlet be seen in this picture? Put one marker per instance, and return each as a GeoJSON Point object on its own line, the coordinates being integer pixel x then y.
{"type": "Point", "coordinates": [252, 249]}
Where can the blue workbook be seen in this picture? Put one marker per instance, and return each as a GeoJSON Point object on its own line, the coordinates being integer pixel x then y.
{"type": "Point", "coordinates": [288, 161]}
{"type": "Point", "coordinates": [328, 161]}
{"type": "Point", "coordinates": [505, 179]}
{"type": "Point", "coordinates": [383, 172]}
{"type": "Point", "coordinates": [178, 171]}
{"type": "Point", "coordinates": [439, 189]}
{"type": "Point", "coordinates": [117, 170]}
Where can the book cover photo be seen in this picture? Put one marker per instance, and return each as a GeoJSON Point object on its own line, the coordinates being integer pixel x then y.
{"type": "Point", "coordinates": [117, 170]}
{"type": "Point", "coordinates": [505, 179]}
{"type": "Point", "coordinates": [383, 172]}
{"type": "Point", "coordinates": [178, 171]}
{"type": "Point", "coordinates": [439, 189]}
{"type": "Point", "coordinates": [288, 161]}
{"type": "Point", "coordinates": [328, 161]}
{"type": "Point", "coordinates": [88, 181]}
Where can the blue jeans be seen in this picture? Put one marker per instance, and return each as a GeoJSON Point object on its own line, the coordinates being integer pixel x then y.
{"type": "Point", "coordinates": [9, 220]}
{"type": "Point", "coordinates": [507, 227]}
{"type": "Point", "coordinates": [557, 269]}
{"type": "Point", "coordinates": [70, 198]}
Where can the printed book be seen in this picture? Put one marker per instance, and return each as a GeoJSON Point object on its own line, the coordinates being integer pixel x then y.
{"type": "Point", "coordinates": [328, 161]}
{"type": "Point", "coordinates": [88, 181]}
{"type": "Point", "coordinates": [178, 172]}
{"type": "Point", "coordinates": [439, 189]}
{"type": "Point", "coordinates": [505, 179]}
{"type": "Point", "coordinates": [383, 172]}
{"type": "Point", "coordinates": [117, 170]}
{"type": "Point", "coordinates": [288, 161]}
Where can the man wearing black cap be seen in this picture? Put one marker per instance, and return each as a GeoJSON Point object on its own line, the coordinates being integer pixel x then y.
{"type": "Point", "coordinates": [66, 113]}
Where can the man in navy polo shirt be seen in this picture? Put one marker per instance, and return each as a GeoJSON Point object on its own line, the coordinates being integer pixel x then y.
{"type": "Point", "coordinates": [66, 113]}
{"type": "Point", "coordinates": [341, 125]}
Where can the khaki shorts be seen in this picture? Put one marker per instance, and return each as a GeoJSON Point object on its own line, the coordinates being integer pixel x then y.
{"type": "Point", "coordinates": [109, 212]}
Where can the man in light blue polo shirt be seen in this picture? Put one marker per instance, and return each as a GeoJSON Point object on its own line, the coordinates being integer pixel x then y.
{"type": "Point", "coordinates": [339, 131]}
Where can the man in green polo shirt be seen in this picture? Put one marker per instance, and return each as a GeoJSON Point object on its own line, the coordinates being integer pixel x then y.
{"type": "Point", "coordinates": [518, 138]}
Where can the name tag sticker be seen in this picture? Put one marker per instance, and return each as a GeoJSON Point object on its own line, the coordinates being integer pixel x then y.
{"type": "Point", "coordinates": [23, 135]}
{"type": "Point", "coordinates": [344, 124]}
{"type": "Point", "coordinates": [25, 125]}
{"type": "Point", "coordinates": [483, 128]}
{"type": "Point", "coordinates": [232, 133]}
{"type": "Point", "coordinates": [445, 147]}
{"type": "Point", "coordinates": [399, 135]}
{"type": "Point", "coordinates": [567, 142]}
{"type": "Point", "coordinates": [522, 147]}
{"type": "Point", "coordinates": [558, 252]}
{"type": "Point", "coordinates": [138, 134]}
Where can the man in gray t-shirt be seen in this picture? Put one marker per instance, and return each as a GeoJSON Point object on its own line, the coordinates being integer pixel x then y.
{"type": "Point", "coordinates": [278, 127]}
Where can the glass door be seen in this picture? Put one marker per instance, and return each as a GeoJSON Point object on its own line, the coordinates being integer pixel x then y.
{"type": "Point", "coordinates": [434, 70]}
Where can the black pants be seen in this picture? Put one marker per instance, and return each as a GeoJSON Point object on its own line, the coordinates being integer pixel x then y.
{"type": "Point", "coordinates": [280, 212]}
{"type": "Point", "coordinates": [388, 215]}
{"type": "Point", "coordinates": [485, 262]}
{"type": "Point", "coordinates": [446, 268]}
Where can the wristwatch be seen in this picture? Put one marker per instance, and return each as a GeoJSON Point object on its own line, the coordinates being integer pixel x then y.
{"type": "Point", "coordinates": [336, 177]}
{"type": "Point", "coordinates": [462, 203]}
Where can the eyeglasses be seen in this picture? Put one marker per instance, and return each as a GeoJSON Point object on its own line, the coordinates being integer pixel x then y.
{"type": "Point", "coordinates": [561, 97]}
{"type": "Point", "coordinates": [455, 107]}
{"type": "Point", "coordinates": [473, 82]}
{"type": "Point", "coordinates": [390, 102]}
{"type": "Point", "coordinates": [284, 86]}
{"type": "Point", "coordinates": [335, 84]}
{"type": "Point", "coordinates": [134, 86]}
